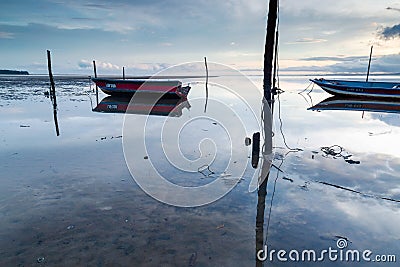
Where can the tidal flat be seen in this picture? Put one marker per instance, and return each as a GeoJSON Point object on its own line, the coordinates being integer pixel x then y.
{"type": "Point", "coordinates": [71, 200]}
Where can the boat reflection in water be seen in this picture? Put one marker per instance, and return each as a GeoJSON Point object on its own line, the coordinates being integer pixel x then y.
{"type": "Point", "coordinates": [202, 153]}
{"type": "Point", "coordinates": [143, 104]}
{"type": "Point", "coordinates": [358, 104]}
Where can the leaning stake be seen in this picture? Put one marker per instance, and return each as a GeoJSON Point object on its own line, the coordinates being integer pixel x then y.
{"type": "Point", "coordinates": [369, 63]}
{"type": "Point", "coordinates": [53, 93]}
{"type": "Point", "coordinates": [205, 63]}
{"type": "Point", "coordinates": [53, 87]}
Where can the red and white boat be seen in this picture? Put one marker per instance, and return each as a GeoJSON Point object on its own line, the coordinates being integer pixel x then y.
{"type": "Point", "coordinates": [123, 87]}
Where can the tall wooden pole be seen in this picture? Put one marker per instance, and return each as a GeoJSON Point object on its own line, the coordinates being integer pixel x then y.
{"type": "Point", "coordinates": [369, 63]}
{"type": "Point", "coordinates": [123, 73]}
{"type": "Point", "coordinates": [269, 49]}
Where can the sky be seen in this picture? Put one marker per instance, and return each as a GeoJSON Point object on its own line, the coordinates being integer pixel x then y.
{"type": "Point", "coordinates": [330, 36]}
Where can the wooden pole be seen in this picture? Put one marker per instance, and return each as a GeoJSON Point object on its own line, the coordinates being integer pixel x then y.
{"type": "Point", "coordinates": [269, 49]}
{"type": "Point", "coordinates": [267, 86]}
{"type": "Point", "coordinates": [205, 63]}
{"type": "Point", "coordinates": [53, 92]}
{"type": "Point", "coordinates": [123, 73]}
{"type": "Point", "coordinates": [275, 62]}
{"type": "Point", "coordinates": [53, 87]}
{"type": "Point", "coordinates": [95, 75]}
{"type": "Point", "coordinates": [94, 68]}
{"type": "Point", "coordinates": [369, 63]}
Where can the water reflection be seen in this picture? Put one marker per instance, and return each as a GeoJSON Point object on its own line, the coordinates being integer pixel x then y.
{"type": "Point", "coordinates": [144, 104]}
{"type": "Point", "coordinates": [317, 194]}
{"type": "Point", "coordinates": [358, 104]}
{"type": "Point", "coordinates": [171, 154]}
{"type": "Point", "coordinates": [53, 99]}
{"type": "Point", "coordinates": [352, 198]}
{"type": "Point", "coordinates": [205, 126]}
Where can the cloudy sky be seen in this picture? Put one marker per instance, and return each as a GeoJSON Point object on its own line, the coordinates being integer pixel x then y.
{"type": "Point", "coordinates": [149, 35]}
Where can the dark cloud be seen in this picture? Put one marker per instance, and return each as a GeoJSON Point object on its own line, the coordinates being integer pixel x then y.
{"type": "Point", "coordinates": [391, 32]}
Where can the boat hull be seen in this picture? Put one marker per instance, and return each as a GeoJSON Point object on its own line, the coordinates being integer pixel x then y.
{"type": "Point", "coordinates": [360, 89]}
{"type": "Point", "coordinates": [129, 87]}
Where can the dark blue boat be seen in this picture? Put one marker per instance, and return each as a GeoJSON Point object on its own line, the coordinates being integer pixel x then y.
{"type": "Point", "coordinates": [360, 89]}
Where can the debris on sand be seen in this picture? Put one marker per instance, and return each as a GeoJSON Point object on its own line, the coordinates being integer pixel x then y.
{"type": "Point", "coordinates": [193, 258]}
{"type": "Point", "coordinates": [205, 170]}
{"type": "Point", "coordinates": [288, 179]}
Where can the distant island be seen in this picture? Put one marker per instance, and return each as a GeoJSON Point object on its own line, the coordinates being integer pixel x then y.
{"type": "Point", "coordinates": [14, 72]}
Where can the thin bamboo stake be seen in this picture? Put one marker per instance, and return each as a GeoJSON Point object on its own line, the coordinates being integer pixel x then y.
{"type": "Point", "coordinates": [205, 106]}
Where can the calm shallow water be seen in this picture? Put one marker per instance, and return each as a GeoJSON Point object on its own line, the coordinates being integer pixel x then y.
{"type": "Point", "coordinates": [71, 201]}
